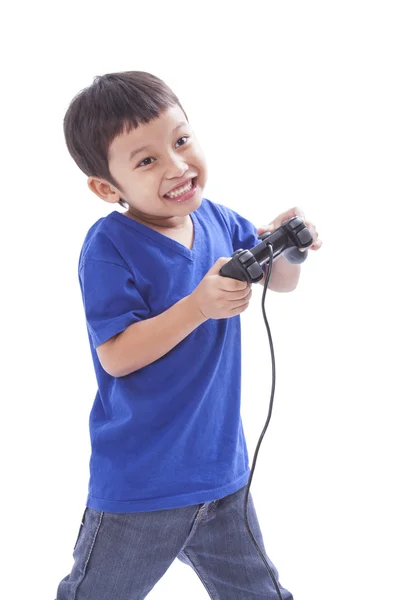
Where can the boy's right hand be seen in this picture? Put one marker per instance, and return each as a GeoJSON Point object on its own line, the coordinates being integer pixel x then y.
{"type": "Point", "coordinates": [218, 297]}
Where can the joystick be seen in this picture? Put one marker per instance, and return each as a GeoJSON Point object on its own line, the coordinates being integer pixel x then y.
{"type": "Point", "coordinates": [246, 265]}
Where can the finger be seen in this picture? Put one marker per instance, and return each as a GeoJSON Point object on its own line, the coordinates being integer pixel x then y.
{"type": "Point", "coordinates": [241, 302]}
{"type": "Point", "coordinates": [265, 228]}
{"type": "Point", "coordinates": [314, 246]}
{"type": "Point", "coordinates": [217, 266]}
{"type": "Point", "coordinates": [238, 295]}
{"type": "Point", "coordinates": [317, 245]}
{"type": "Point", "coordinates": [239, 310]}
{"type": "Point", "coordinates": [296, 211]}
{"type": "Point", "coordinates": [309, 224]}
{"type": "Point", "coordinates": [242, 295]}
{"type": "Point", "coordinates": [232, 285]}
{"type": "Point", "coordinates": [299, 212]}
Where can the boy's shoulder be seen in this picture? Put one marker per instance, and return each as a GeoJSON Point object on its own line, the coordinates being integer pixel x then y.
{"type": "Point", "coordinates": [215, 210]}
{"type": "Point", "coordinates": [98, 243]}
{"type": "Point", "coordinates": [211, 206]}
{"type": "Point", "coordinates": [224, 213]}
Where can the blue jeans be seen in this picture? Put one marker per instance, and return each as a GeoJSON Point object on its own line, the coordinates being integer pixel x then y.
{"type": "Point", "coordinates": [121, 556]}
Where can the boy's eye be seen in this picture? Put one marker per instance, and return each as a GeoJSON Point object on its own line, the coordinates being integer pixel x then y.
{"type": "Point", "coordinates": [182, 140]}
{"type": "Point", "coordinates": [145, 162]}
{"type": "Point", "coordinates": [148, 161]}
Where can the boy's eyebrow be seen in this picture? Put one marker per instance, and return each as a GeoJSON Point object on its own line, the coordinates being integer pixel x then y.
{"type": "Point", "coordinates": [134, 152]}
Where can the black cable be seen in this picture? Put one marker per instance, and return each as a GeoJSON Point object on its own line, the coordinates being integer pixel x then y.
{"type": "Point", "coordinates": [271, 402]}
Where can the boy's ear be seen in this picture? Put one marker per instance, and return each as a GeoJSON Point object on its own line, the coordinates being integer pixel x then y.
{"type": "Point", "coordinates": [103, 190]}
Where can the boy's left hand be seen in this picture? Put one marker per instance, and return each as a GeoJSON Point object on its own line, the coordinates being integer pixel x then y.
{"type": "Point", "coordinates": [294, 212]}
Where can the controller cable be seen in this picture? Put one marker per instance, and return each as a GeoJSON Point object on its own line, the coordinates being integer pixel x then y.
{"type": "Point", "coordinates": [271, 402]}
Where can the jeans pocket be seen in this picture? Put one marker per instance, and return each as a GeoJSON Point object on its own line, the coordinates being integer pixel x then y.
{"type": "Point", "coordinates": [80, 527]}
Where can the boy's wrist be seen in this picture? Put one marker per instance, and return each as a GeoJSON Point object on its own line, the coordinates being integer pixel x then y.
{"type": "Point", "coordinates": [193, 310]}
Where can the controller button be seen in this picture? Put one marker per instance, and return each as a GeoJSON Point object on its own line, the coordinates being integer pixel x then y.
{"type": "Point", "coordinates": [246, 256]}
{"type": "Point", "coordinates": [255, 271]}
{"type": "Point", "coordinates": [295, 222]}
{"type": "Point", "coordinates": [304, 236]}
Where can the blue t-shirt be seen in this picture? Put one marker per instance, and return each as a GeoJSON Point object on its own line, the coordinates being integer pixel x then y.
{"type": "Point", "coordinates": [169, 434]}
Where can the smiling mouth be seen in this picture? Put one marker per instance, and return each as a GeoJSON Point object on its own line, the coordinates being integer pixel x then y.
{"type": "Point", "coordinates": [181, 191]}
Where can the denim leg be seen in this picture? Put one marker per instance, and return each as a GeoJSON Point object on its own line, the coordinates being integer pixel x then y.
{"type": "Point", "coordinates": [123, 555]}
{"type": "Point", "coordinates": [224, 557]}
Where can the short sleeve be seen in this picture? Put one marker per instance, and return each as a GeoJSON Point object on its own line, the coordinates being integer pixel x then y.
{"type": "Point", "coordinates": [243, 232]}
{"type": "Point", "coordinates": [111, 299]}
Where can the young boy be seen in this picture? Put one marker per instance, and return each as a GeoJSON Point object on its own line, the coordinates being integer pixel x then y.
{"type": "Point", "coordinates": [169, 463]}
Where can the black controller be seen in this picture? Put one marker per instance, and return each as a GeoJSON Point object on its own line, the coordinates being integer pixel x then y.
{"type": "Point", "coordinates": [245, 265]}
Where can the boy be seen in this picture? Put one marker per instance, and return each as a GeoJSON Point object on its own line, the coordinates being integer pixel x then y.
{"type": "Point", "coordinates": [169, 463]}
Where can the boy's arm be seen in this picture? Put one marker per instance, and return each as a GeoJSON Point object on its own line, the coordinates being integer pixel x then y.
{"type": "Point", "coordinates": [146, 341]}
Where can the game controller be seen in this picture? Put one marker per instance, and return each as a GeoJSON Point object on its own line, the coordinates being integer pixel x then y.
{"type": "Point", "coordinates": [246, 265]}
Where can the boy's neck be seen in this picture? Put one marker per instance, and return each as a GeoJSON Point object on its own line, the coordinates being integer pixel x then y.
{"type": "Point", "coordinates": [174, 223]}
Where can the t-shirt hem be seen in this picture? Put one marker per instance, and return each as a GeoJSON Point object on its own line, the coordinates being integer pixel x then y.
{"type": "Point", "coordinates": [128, 506]}
{"type": "Point", "coordinates": [117, 326]}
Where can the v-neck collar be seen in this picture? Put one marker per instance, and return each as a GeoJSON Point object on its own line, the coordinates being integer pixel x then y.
{"type": "Point", "coordinates": [160, 238]}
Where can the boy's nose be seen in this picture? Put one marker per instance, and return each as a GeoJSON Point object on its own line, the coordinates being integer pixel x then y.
{"type": "Point", "coordinates": [177, 167]}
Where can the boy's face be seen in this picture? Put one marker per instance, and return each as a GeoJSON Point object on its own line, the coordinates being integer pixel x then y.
{"type": "Point", "coordinates": [160, 169]}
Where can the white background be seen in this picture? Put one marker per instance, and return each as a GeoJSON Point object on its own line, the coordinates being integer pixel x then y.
{"type": "Point", "coordinates": [294, 103]}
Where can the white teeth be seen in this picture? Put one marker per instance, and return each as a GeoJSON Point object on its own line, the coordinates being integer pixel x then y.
{"type": "Point", "coordinates": [180, 191]}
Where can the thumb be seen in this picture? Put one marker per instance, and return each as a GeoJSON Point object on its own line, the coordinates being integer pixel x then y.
{"type": "Point", "coordinates": [218, 265]}
{"type": "Point", "coordinates": [265, 228]}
